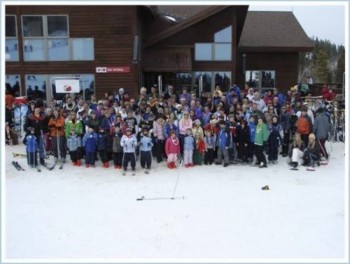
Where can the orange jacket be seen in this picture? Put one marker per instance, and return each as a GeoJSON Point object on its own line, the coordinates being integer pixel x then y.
{"type": "Point", "coordinates": [56, 126]}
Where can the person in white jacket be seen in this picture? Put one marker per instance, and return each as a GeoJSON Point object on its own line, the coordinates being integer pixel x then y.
{"type": "Point", "coordinates": [129, 143]}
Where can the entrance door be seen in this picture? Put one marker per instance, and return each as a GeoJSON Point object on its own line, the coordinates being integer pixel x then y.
{"type": "Point", "coordinates": [177, 79]}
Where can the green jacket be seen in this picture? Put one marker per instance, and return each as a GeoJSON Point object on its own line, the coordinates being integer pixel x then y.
{"type": "Point", "coordinates": [78, 126]}
{"type": "Point", "coordinates": [261, 134]}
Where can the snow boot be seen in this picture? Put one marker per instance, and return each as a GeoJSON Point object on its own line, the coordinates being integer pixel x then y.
{"type": "Point", "coordinates": [75, 163]}
{"type": "Point", "coordinates": [78, 163]}
{"type": "Point", "coordinates": [87, 165]}
{"type": "Point", "coordinates": [170, 165]}
{"type": "Point", "coordinates": [262, 165]}
{"type": "Point", "coordinates": [173, 165]}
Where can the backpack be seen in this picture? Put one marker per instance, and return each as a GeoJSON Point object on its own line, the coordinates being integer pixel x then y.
{"type": "Point", "coordinates": [303, 127]}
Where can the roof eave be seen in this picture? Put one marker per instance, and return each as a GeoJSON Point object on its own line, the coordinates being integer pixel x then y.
{"type": "Point", "coordinates": [184, 24]}
{"type": "Point", "coordinates": [275, 49]}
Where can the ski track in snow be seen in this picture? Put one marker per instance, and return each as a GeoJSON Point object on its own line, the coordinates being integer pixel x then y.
{"type": "Point", "coordinates": [81, 213]}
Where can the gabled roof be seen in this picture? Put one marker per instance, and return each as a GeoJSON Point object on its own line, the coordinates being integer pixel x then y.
{"type": "Point", "coordinates": [193, 19]}
{"type": "Point", "coordinates": [181, 11]}
{"type": "Point", "coordinates": [270, 30]}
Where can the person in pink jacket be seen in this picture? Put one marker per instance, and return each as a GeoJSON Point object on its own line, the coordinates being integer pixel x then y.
{"type": "Point", "coordinates": [184, 124]}
{"type": "Point", "coordinates": [172, 149]}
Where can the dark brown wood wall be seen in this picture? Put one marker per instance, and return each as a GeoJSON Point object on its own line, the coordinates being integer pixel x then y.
{"type": "Point", "coordinates": [285, 65]}
{"type": "Point", "coordinates": [113, 29]}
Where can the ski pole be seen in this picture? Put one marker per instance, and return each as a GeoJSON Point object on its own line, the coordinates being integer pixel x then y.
{"type": "Point", "coordinates": [177, 178]}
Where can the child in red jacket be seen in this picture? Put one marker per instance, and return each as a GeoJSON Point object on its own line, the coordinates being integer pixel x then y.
{"type": "Point", "coordinates": [172, 149]}
{"type": "Point", "coordinates": [199, 150]}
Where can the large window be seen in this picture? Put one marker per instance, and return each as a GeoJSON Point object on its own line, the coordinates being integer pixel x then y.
{"type": "Point", "coordinates": [83, 49]}
{"type": "Point", "coordinates": [220, 50]}
{"type": "Point", "coordinates": [11, 42]}
{"type": "Point", "coordinates": [42, 86]}
{"type": "Point", "coordinates": [35, 85]}
{"type": "Point", "coordinates": [46, 38]}
{"type": "Point", "coordinates": [86, 83]}
{"type": "Point", "coordinates": [261, 79]}
{"type": "Point", "coordinates": [209, 80]}
{"type": "Point", "coordinates": [13, 84]}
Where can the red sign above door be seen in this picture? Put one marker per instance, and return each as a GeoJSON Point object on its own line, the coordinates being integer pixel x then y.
{"type": "Point", "coordinates": [112, 69]}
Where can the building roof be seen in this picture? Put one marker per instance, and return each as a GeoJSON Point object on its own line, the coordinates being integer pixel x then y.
{"type": "Point", "coordinates": [270, 30]}
{"type": "Point", "coordinates": [181, 12]}
{"type": "Point", "coordinates": [192, 19]}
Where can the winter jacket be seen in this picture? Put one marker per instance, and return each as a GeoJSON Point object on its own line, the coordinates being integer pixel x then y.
{"type": "Point", "coordinates": [158, 131]}
{"type": "Point", "coordinates": [321, 126]}
{"type": "Point", "coordinates": [189, 143]}
{"type": "Point", "coordinates": [184, 124]}
{"type": "Point", "coordinates": [275, 133]}
{"type": "Point", "coordinates": [77, 125]}
{"type": "Point", "coordinates": [223, 139]}
{"type": "Point", "coordinates": [56, 126]}
{"type": "Point", "coordinates": [172, 146]}
{"type": "Point", "coordinates": [198, 130]}
{"type": "Point", "coordinates": [252, 128]}
{"type": "Point", "coordinates": [168, 128]}
{"type": "Point", "coordinates": [107, 123]}
{"type": "Point", "coordinates": [242, 135]}
{"type": "Point", "coordinates": [261, 134]}
{"type": "Point", "coordinates": [73, 142]}
{"type": "Point", "coordinates": [200, 146]}
{"type": "Point", "coordinates": [146, 143]}
{"type": "Point", "coordinates": [102, 141]}
{"type": "Point", "coordinates": [116, 143]}
{"type": "Point", "coordinates": [90, 142]}
{"type": "Point", "coordinates": [304, 125]}
{"type": "Point", "coordinates": [32, 145]}
{"type": "Point", "coordinates": [284, 120]}
{"type": "Point", "coordinates": [128, 143]}
{"type": "Point", "coordinates": [94, 122]}
{"type": "Point", "coordinates": [210, 141]}
{"type": "Point", "coordinates": [38, 122]}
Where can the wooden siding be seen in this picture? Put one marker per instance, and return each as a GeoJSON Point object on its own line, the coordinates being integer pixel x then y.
{"type": "Point", "coordinates": [113, 29]}
{"type": "Point", "coordinates": [285, 65]}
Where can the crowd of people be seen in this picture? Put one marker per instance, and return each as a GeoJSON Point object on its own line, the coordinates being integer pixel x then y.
{"type": "Point", "coordinates": [239, 127]}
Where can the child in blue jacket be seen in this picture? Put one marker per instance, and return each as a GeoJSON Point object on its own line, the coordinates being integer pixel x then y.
{"type": "Point", "coordinates": [32, 147]}
{"type": "Point", "coordinates": [189, 145]}
{"type": "Point", "coordinates": [90, 145]}
{"type": "Point", "coordinates": [102, 143]}
{"type": "Point", "coordinates": [146, 145]}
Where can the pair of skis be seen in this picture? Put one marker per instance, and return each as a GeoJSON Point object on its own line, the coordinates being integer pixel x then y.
{"type": "Point", "coordinates": [20, 168]}
{"type": "Point", "coordinates": [55, 164]}
{"type": "Point", "coordinates": [17, 166]}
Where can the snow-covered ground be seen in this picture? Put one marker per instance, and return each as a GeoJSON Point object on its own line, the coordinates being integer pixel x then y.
{"type": "Point", "coordinates": [78, 213]}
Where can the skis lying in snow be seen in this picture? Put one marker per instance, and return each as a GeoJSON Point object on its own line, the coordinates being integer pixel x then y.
{"type": "Point", "coordinates": [22, 155]}
{"type": "Point", "coordinates": [17, 166]}
{"type": "Point", "coordinates": [143, 198]}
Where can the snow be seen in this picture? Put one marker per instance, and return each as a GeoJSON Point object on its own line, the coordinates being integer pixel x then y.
{"type": "Point", "coordinates": [92, 214]}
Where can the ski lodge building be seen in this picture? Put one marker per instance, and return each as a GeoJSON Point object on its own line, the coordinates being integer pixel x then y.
{"type": "Point", "coordinates": [109, 47]}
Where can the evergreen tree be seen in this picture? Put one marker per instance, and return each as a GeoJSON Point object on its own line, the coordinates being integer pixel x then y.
{"type": "Point", "coordinates": [321, 70]}
{"type": "Point", "coordinates": [340, 65]}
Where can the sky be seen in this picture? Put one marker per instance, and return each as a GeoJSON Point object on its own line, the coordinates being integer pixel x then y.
{"type": "Point", "coordinates": [322, 21]}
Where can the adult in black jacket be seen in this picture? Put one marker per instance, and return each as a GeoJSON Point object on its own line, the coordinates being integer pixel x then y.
{"type": "Point", "coordinates": [284, 120]}
{"type": "Point", "coordinates": [39, 122]}
{"type": "Point", "coordinates": [242, 141]}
